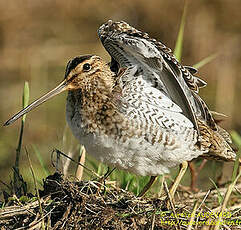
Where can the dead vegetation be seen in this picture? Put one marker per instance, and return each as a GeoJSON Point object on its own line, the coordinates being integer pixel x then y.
{"type": "Point", "coordinates": [65, 204]}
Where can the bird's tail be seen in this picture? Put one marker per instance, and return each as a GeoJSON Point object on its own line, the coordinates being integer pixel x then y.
{"type": "Point", "coordinates": [218, 142]}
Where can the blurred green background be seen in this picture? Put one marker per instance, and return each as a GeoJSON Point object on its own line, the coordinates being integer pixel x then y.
{"type": "Point", "coordinates": [37, 38]}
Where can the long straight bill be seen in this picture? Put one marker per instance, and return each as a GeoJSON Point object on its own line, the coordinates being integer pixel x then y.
{"type": "Point", "coordinates": [57, 90]}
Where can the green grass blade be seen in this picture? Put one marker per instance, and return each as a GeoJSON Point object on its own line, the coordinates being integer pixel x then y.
{"type": "Point", "coordinates": [237, 140]}
{"type": "Point", "coordinates": [179, 42]}
{"type": "Point", "coordinates": [36, 189]}
{"type": "Point", "coordinates": [220, 197]}
{"type": "Point", "coordinates": [41, 161]}
{"type": "Point", "coordinates": [205, 61]}
{"type": "Point", "coordinates": [25, 98]}
{"type": "Point", "coordinates": [18, 182]}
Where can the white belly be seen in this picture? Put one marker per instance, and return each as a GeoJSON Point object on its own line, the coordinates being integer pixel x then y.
{"type": "Point", "coordinates": [135, 155]}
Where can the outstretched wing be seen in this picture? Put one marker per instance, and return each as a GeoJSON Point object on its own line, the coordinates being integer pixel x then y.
{"type": "Point", "coordinates": [145, 104]}
{"type": "Point", "coordinates": [129, 47]}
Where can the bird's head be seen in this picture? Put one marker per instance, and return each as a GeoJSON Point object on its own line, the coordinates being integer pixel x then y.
{"type": "Point", "coordinates": [82, 73]}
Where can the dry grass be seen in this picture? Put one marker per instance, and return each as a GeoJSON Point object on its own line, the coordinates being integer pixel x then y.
{"type": "Point", "coordinates": [37, 38]}
{"type": "Point", "coordinates": [91, 205]}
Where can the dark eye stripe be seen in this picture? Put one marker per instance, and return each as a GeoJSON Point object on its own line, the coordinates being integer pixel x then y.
{"type": "Point", "coordinates": [74, 62]}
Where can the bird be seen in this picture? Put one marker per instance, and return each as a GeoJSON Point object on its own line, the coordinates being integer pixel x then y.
{"type": "Point", "coordinates": [141, 112]}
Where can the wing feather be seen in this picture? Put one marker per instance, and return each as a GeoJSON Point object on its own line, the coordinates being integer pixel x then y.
{"type": "Point", "coordinates": [158, 67]}
{"type": "Point", "coordinates": [140, 100]}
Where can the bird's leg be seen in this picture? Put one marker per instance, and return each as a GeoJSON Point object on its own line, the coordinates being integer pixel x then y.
{"type": "Point", "coordinates": [194, 175]}
{"type": "Point", "coordinates": [202, 165]}
{"type": "Point", "coordinates": [147, 186]}
{"type": "Point", "coordinates": [178, 179]}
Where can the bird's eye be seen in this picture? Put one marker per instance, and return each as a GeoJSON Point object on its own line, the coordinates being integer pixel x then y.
{"type": "Point", "coordinates": [86, 67]}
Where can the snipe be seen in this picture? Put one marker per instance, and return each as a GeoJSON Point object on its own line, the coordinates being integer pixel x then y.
{"type": "Point", "coordinates": [141, 112]}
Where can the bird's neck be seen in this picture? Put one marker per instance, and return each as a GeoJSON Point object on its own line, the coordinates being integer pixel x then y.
{"type": "Point", "coordinates": [92, 100]}
{"type": "Point", "coordinates": [96, 93]}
